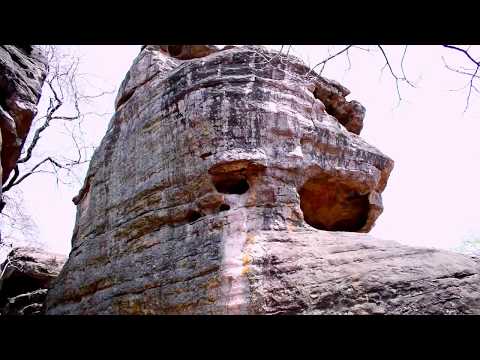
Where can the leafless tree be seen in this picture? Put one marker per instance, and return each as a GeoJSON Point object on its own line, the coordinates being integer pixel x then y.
{"type": "Point", "coordinates": [471, 72]}
{"type": "Point", "coordinates": [64, 111]}
{"type": "Point", "coordinates": [65, 104]}
{"type": "Point", "coordinates": [17, 226]}
{"type": "Point", "coordinates": [397, 73]}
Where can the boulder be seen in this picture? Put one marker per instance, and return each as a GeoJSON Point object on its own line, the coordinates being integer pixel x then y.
{"type": "Point", "coordinates": [25, 277]}
{"type": "Point", "coordinates": [236, 183]}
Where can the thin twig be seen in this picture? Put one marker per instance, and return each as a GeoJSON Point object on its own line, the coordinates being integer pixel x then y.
{"type": "Point", "coordinates": [458, 71]}
{"type": "Point", "coordinates": [476, 62]}
{"type": "Point", "coordinates": [470, 89]}
{"type": "Point", "coordinates": [31, 172]}
{"type": "Point", "coordinates": [401, 66]}
{"type": "Point", "coordinates": [397, 79]}
{"type": "Point", "coordinates": [470, 84]}
{"type": "Point", "coordinates": [329, 58]}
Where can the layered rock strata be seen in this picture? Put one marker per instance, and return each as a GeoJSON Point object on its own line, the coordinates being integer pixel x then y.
{"type": "Point", "coordinates": [236, 183]}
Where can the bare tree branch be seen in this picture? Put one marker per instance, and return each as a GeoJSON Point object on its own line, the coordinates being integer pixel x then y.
{"type": "Point", "coordinates": [387, 63]}
{"type": "Point", "coordinates": [268, 61]}
{"type": "Point", "coordinates": [403, 70]}
{"type": "Point", "coordinates": [16, 224]}
{"type": "Point", "coordinates": [459, 71]}
{"type": "Point", "coordinates": [349, 62]}
{"type": "Point", "coordinates": [470, 88]}
{"type": "Point", "coordinates": [64, 104]}
{"type": "Point", "coordinates": [31, 172]}
{"type": "Point", "coordinates": [12, 179]}
{"type": "Point", "coordinates": [323, 62]}
{"type": "Point", "coordinates": [472, 76]}
{"type": "Point", "coordinates": [467, 54]}
{"type": "Point", "coordinates": [395, 76]}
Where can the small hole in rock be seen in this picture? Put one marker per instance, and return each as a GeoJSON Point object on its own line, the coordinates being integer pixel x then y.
{"type": "Point", "coordinates": [224, 207]}
{"type": "Point", "coordinates": [193, 216]}
{"type": "Point", "coordinates": [231, 184]}
{"type": "Point", "coordinates": [204, 156]}
{"type": "Point", "coordinates": [175, 50]}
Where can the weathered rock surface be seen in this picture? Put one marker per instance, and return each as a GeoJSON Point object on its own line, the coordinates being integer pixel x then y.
{"type": "Point", "coordinates": [349, 113]}
{"type": "Point", "coordinates": [26, 275]}
{"type": "Point", "coordinates": [212, 190]}
{"type": "Point", "coordinates": [184, 52]}
{"type": "Point", "coordinates": [22, 72]}
{"type": "Point", "coordinates": [319, 272]}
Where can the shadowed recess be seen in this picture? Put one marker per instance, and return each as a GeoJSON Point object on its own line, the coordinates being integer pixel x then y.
{"type": "Point", "coordinates": [333, 206]}
{"type": "Point", "coordinates": [193, 215]}
{"type": "Point", "coordinates": [224, 207]}
{"type": "Point", "coordinates": [230, 183]}
{"type": "Point", "coordinates": [19, 283]}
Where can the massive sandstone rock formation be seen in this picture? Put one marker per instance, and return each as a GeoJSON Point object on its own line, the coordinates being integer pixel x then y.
{"type": "Point", "coordinates": [25, 277]}
{"type": "Point", "coordinates": [22, 72]}
{"type": "Point", "coordinates": [235, 182]}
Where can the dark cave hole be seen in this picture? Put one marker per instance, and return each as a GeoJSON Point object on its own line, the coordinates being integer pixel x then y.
{"type": "Point", "coordinates": [193, 215]}
{"type": "Point", "coordinates": [224, 207]}
{"type": "Point", "coordinates": [19, 61]}
{"type": "Point", "coordinates": [19, 284]}
{"type": "Point", "coordinates": [175, 50]}
{"type": "Point", "coordinates": [26, 48]}
{"type": "Point", "coordinates": [231, 184]}
{"type": "Point", "coordinates": [206, 155]}
{"type": "Point", "coordinates": [333, 206]}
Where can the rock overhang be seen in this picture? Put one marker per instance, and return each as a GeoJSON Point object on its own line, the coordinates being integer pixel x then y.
{"type": "Point", "coordinates": [202, 158]}
{"type": "Point", "coordinates": [223, 96]}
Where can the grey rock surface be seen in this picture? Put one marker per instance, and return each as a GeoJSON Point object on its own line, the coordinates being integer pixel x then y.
{"type": "Point", "coordinates": [31, 303]}
{"type": "Point", "coordinates": [320, 272]}
{"type": "Point", "coordinates": [226, 185]}
{"type": "Point", "coordinates": [25, 277]}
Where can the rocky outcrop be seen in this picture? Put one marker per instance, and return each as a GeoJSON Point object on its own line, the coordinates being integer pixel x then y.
{"type": "Point", "coordinates": [349, 113]}
{"type": "Point", "coordinates": [236, 183]}
{"type": "Point", "coordinates": [25, 277]}
{"type": "Point", "coordinates": [22, 72]}
{"type": "Point", "coordinates": [319, 272]}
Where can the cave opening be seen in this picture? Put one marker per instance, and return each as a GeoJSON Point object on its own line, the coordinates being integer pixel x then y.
{"type": "Point", "coordinates": [224, 207]}
{"type": "Point", "coordinates": [333, 206]}
{"type": "Point", "coordinates": [19, 283]}
{"type": "Point", "coordinates": [174, 50]}
{"type": "Point", "coordinates": [231, 183]}
{"type": "Point", "coordinates": [193, 215]}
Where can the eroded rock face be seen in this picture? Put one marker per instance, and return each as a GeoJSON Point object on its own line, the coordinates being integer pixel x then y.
{"type": "Point", "coordinates": [22, 72]}
{"type": "Point", "coordinates": [26, 275]}
{"type": "Point", "coordinates": [210, 192]}
{"type": "Point", "coordinates": [349, 113]}
{"type": "Point", "coordinates": [320, 272]}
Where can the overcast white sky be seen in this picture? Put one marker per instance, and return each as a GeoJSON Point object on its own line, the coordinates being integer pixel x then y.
{"type": "Point", "coordinates": [432, 196]}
